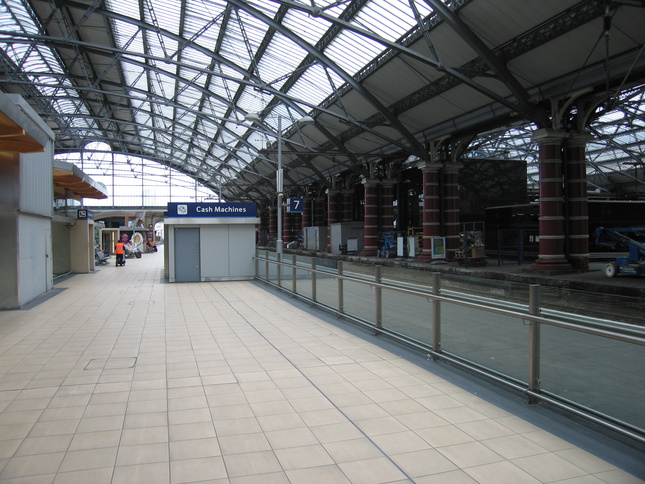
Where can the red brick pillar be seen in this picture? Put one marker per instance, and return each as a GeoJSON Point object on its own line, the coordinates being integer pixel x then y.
{"type": "Point", "coordinates": [451, 227]}
{"type": "Point", "coordinates": [318, 215]}
{"type": "Point", "coordinates": [346, 207]}
{"type": "Point", "coordinates": [333, 213]}
{"type": "Point", "coordinates": [287, 226]}
{"type": "Point", "coordinates": [263, 228]}
{"type": "Point", "coordinates": [431, 208]}
{"type": "Point", "coordinates": [307, 213]}
{"type": "Point", "coordinates": [273, 225]}
{"type": "Point", "coordinates": [387, 207]}
{"type": "Point", "coordinates": [552, 236]}
{"type": "Point", "coordinates": [370, 241]}
{"type": "Point", "coordinates": [576, 201]}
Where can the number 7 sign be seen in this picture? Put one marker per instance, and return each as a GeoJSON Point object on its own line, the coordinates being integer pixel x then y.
{"type": "Point", "coordinates": [295, 205]}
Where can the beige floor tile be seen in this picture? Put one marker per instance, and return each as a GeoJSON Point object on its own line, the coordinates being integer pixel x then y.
{"type": "Point", "coordinates": [352, 450]}
{"type": "Point", "coordinates": [381, 426]}
{"type": "Point", "coordinates": [484, 429]}
{"type": "Point", "coordinates": [283, 439]}
{"type": "Point", "coordinates": [194, 449]}
{"type": "Point", "coordinates": [470, 454]}
{"type": "Point", "coordinates": [304, 456]}
{"type": "Point", "coordinates": [9, 447]}
{"type": "Point", "coordinates": [142, 474]}
{"type": "Point", "coordinates": [500, 473]}
{"type": "Point", "coordinates": [453, 477]}
{"type": "Point", "coordinates": [94, 476]}
{"type": "Point", "coordinates": [39, 445]}
{"type": "Point", "coordinates": [241, 444]}
{"type": "Point", "coordinates": [548, 467]}
{"type": "Point", "coordinates": [372, 471]}
{"type": "Point", "coordinates": [88, 459]}
{"type": "Point", "coordinates": [322, 417]}
{"type": "Point", "coordinates": [252, 464]}
{"type": "Point", "coordinates": [586, 461]}
{"type": "Point", "coordinates": [318, 475]}
{"type": "Point", "coordinates": [513, 446]}
{"type": "Point", "coordinates": [142, 454]}
{"type": "Point", "coordinates": [95, 440]}
{"type": "Point", "coordinates": [99, 424]}
{"type": "Point", "coordinates": [32, 465]}
{"type": "Point", "coordinates": [151, 435]}
{"type": "Point", "coordinates": [424, 463]}
{"type": "Point", "coordinates": [239, 426]}
{"type": "Point", "coordinates": [400, 442]}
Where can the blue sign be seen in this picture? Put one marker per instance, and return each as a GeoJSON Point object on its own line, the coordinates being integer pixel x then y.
{"type": "Point", "coordinates": [84, 214]}
{"type": "Point", "coordinates": [295, 205]}
{"type": "Point", "coordinates": [193, 210]}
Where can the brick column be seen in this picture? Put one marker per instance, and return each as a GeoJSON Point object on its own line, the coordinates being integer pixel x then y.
{"type": "Point", "coordinates": [307, 213]}
{"type": "Point", "coordinates": [370, 242]}
{"type": "Point", "coordinates": [273, 225]}
{"type": "Point", "coordinates": [552, 236]}
{"type": "Point", "coordinates": [576, 201]}
{"type": "Point", "coordinates": [451, 227]}
{"type": "Point", "coordinates": [333, 214]}
{"type": "Point", "coordinates": [346, 207]}
{"type": "Point", "coordinates": [318, 215]}
{"type": "Point", "coordinates": [263, 228]}
{"type": "Point", "coordinates": [387, 209]}
{"type": "Point", "coordinates": [431, 208]}
{"type": "Point", "coordinates": [287, 226]}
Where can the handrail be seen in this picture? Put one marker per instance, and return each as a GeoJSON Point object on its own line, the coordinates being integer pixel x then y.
{"type": "Point", "coordinates": [531, 316]}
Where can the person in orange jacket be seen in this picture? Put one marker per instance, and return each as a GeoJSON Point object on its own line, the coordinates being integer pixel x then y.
{"type": "Point", "coordinates": [120, 253]}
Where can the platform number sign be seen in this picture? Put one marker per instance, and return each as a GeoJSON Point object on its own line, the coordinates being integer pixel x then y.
{"type": "Point", "coordinates": [295, 205]}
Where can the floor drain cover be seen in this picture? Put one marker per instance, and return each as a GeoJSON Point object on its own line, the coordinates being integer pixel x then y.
{"type": "Point", "coordinates": [111, 363]}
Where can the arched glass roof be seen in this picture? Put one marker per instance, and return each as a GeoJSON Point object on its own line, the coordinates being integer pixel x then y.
{"type": "Point", "coordinates": [172, 82]}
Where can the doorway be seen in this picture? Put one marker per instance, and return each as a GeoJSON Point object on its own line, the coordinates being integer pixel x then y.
{"type": "Point", "coordinates": [187, 255]}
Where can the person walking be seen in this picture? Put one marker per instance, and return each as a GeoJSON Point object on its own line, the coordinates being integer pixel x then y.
{"type": "Point", "coordinates": [120, 253]}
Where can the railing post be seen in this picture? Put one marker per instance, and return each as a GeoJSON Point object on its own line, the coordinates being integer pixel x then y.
{"type": "Point", "coordinates": [278, 257]}
{"type": "Point", "coordinates": [378, 298]}
{"type": "Point", "coordinates": [534, 343]}
{"type": "Point", "coordinates": [293, 275]}
{"type": "Point", "coordinates": [266, 266]}
{"type": "Point", "coordinates": [257, 264]}
{"type": "Point", "coordinates": [313, 279]}
{"type": "Point", "coordinates": [436, 313]}
{"type": "Point", "coordinates": [341, 303]}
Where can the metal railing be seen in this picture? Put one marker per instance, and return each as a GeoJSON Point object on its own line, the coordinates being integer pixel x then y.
{"type": "Point", "coordinates": [583, 365]}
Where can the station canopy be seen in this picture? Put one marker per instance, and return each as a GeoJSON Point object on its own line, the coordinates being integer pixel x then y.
{"type": "Point", "coordinates": [204, 86]}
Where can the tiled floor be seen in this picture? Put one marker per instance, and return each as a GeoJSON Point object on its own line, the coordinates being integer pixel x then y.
{"type": "Point", "coordinates": [121, 378]}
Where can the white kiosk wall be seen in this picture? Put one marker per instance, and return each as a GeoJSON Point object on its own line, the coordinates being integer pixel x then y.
{"type": "Point", "coordinates": [210, 241]}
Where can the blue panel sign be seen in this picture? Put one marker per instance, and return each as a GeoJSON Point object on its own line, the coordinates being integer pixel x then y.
{"type": "Point", "coordinates": [295, 205]}
{"type": "Point", "coordinates": [193, 210]}
{"type": "Point", "coordinates": [84, 214]}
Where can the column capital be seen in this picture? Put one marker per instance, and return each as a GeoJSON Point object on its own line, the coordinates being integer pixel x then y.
{"type": "Point", "coordinates": [452, 167]}
{"type": "Point", "coordinates": [429, 166]}
{"type": "Point", "coordinates": [545, 134]}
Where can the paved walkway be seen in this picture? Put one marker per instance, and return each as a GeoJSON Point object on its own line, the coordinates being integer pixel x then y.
{"type": "Point", "coordinates": [121, 378]}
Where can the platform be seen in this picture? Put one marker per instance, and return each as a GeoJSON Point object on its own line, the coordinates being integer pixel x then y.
{"type": "Point", "coordinates": [119, 377]}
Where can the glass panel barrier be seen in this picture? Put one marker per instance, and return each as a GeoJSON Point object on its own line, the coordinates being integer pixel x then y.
{"type": "Point", "coordinates": [408, 314]}
{"type": "Point", "coordinates": [487, 339]}
{"type": "Point", "coordinates": [359, 301]}
{"type": "Point", "coordinates": [327, 287]}
{"type": "Point", "coordinates": [303, 276]}
{"type": "Point", "coordinates": [602, 374]}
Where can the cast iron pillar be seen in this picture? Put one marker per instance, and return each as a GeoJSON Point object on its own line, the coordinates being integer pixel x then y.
{"type": "Point", "coordinates": [431, 207]}
{"type": "Point", "coordinates": [370, 242]}
{"type": "Point", "coordinates": [576, 201]}
{"type": "Point", "coordinates": [551, 255]}
{"type": "Point", "coordinates": [333, 213]}
{"type": "Point", "coordinates": [451, 207]}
